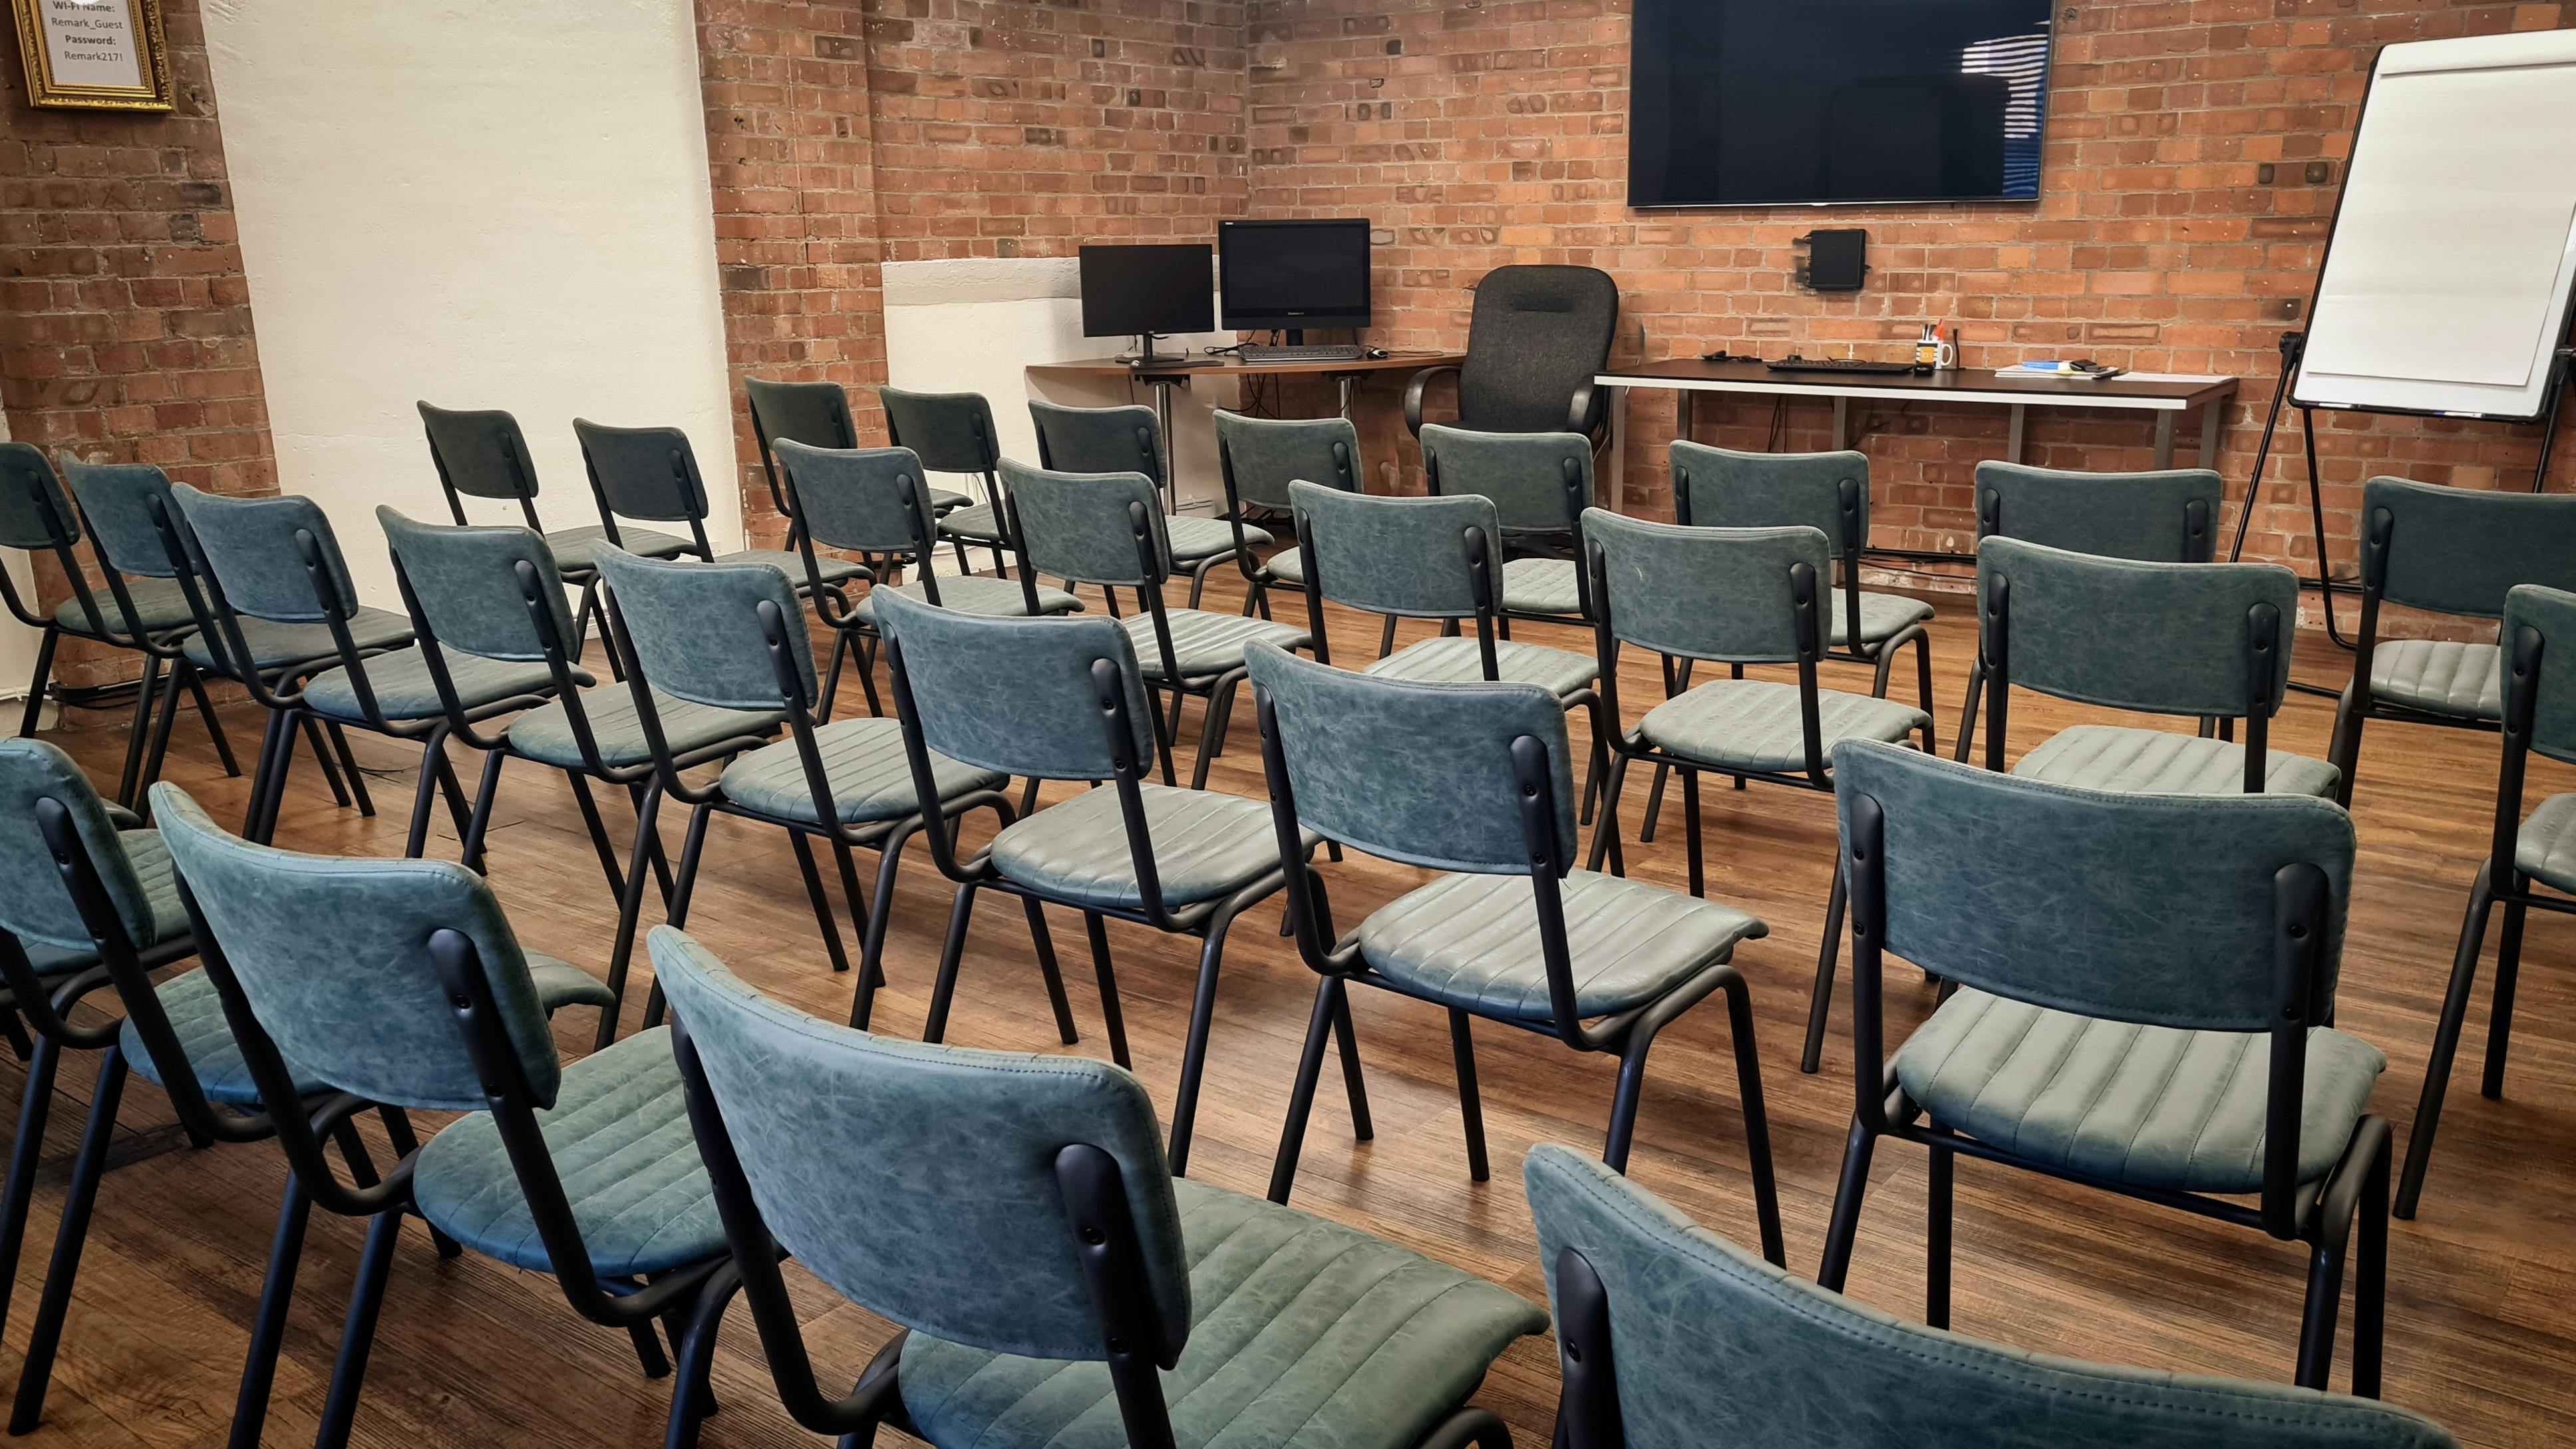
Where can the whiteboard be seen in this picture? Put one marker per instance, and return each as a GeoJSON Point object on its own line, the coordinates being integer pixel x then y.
{"type": "Point", "coordinates": [2453, 255]}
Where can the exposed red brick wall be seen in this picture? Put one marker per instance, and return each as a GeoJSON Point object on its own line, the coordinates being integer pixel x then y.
{"type": "Point", "coordinates": [1005, 128]}
{"type": "Point", "coordinates": [794, 189]}
{"type": "Point", "coordinates": [125, 320]}
{"type": "Point", "coordinates": [1495, 132]}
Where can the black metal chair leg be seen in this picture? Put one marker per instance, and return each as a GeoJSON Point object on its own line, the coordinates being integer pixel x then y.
{"type": "Point", "coordinates": [1757, 1118]}
{"type": "Point", "coordinates": [268, 775]}
{"type": "Point", "coordinates": [35, 1104]}
{"type": "Point", "coordinates": [1301, 1097]}
{"type": "Point", "coordinates": [951, 950]}
{"type": "Point", "coordinates": [821, 903]}
{"type": "Point", "coordinates": [1212, 728]}
{"type": "Point", "coordinates": [2446, 1041]}
{"type": "Point", "coordinates": [164, 719]}
{"type": "Point", "coordinates": [1923, 689]}
{"type": "Point", "coordinates": [1042, 943]}
{"type": "Point", "coordinates": [2343, 750]}
{"type": "Point", "coordinates": [320, 744]}
{"type": "Point", "coordinates": [854, 902]}
{"type": "Point", "coordinates": [1469, 1428]}
{"type": "Point", "coordinates": [2324, 1304]}
{"type": "Point", "coordinates": [650, 841]}
{"type": "Point", "coordinates": [1690, 833]}
{"type": "Point", "coordinates": [1115, 1019]}
{"type": "Point", "coordinates": [591, 821]}
{"type": "Point", "coordinates": [268, 1326]}
{"type": "Point", "coordinates": [1185, 1104]}
{"type": "Point", "coordinates": [358, 1332]}
{"type": "Point", "coordinates": [692, 1397]}
{"type": "Point", "coordinates": [644, 1336]}
{"type": "Point", "coordinates": [692, 850]}
{"type": "Point", "coordinates": [45, 1336]}
{"type": "Point", "coordinates": [872, 939]}
{"type": "Point", "coordinates": [1346, 1039]}
{"type": "Point", "coordinates": [2370, 1282]}
{"type": "Point", "coordinates": [1471, 1104]}
{"type": "Point", "coordinates": [433, 756]}
{"type": "Point", "coordinates": [1605, 831]}
{"type": "Point", "coordinates": [864, 654]}
{"type": "Point", "coordinates": [2500, 1011]}
{"type": "Point", "coordinates": [1839, 1230]}
{"type": "Point", "coordinates": [1386, 638]}
{"type": "Point", "coordinates": [1624, 1101]}
{"type": "Point", "coordinates": [630, 906]}
{"type": "Point", "coordinates": [832, 675]}
{"type": "Point", "coordinates": [138, 735]}
{"type": "Point", "coordinates": [1968, 711]}
{"type": "Point", "coordinates": [44, 674]}
{"type": "Point", "coordinates": [1936, 1234]}
{"type": "Point", "coordinates": [1828, 961]}
{"type": "Point", "coordinates": [214, 726]}
{"type": "Point", "coordinates": [405, 1142]}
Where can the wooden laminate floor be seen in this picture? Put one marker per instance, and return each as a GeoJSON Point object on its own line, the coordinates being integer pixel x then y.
{"type": "Point", "coordinates": [2482, 1309]}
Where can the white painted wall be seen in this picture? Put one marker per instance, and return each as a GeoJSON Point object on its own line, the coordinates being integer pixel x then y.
{"type": "Point", "coordinates": [978, 324]}
{"type": "Point", "coordinates": [484, 204]}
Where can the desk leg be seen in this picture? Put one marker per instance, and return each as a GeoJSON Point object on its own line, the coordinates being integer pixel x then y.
{"type": "Point", "coordinates": [1349, 384]}
{"type": "Point", "coordinates": [1842, 422]}
{"type": "Point", "coordinates": [2164, 438]}
{"type": "Point", "coordinates": [1682, 430]}
{"type": "Point", "coordinates": [1618, 460]}
{"type": "Point", "coordinates": [1163, 414]}
{"type": "Point", "coordinates": [2019, 419]}
{"type": "Point", "coordinates": [2213, 425]}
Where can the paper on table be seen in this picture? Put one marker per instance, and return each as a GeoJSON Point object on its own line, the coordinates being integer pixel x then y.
{"type": "Point", "coordinates": [2123, 377]}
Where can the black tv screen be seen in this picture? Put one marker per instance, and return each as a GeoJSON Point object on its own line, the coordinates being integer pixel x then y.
{"type": "Point", "coordinates": [1787, 102]}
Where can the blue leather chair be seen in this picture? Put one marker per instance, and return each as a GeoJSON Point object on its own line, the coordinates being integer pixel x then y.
{"type": "Point", "coordinates": [652, 474]}
{"type": "Point", "coordinates": [1671, 1337]}
{"type": "Point", "coordinates": [1476, 780]}
{"type": "Point", "coordinates": [1260, 459]}
{"type": "Point", "coordinates": [817, 414]}
{"type": "Point", "coordinates": [2455, 551]}
{"type": "Point", "coordinates": [1053, 1285]}
{"type": "Point", "coordinates": [398, 983]}
{"type": "Point", "coordinates": [2144, 1003]}
{"type": "Point", "coordinates": [1540, 485]}
{"type": "Point", "coordinates": [2525, 850]}
{"type": "Point", "coordinates": [1064, 699]}
{"type": "Point", "coordinates": [952, 432]}
{"type": "Point", "coordinates": [1130, 440]}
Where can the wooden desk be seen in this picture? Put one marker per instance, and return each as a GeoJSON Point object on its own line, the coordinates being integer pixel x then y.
{"type": "Point", "coordinates": [2167, 400]}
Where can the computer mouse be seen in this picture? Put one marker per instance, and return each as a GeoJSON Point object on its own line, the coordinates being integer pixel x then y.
{"type": "Point", "coordinates": [1376, 354]}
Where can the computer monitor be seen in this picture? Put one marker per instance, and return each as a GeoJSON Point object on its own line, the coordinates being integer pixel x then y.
{"type": "Point", "coordinates": [1137, 291]}
{"type": "Point", "coordinates": [1294, 274]}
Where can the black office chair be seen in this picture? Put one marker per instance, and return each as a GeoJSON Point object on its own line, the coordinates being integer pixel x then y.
{"type": "Point", "coordinates": [1538, 337]}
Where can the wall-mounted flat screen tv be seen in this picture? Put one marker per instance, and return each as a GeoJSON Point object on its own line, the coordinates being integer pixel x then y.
{"type": "Point", "coordinates": [1816, 102]}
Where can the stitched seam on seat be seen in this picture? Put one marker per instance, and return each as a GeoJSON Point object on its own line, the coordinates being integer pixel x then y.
{"type": "Point", "coordinates": [1336, 1396]}
{"type": "Point", "coordinates": [1313, 1343]}
{"type": "Point", "coordinates": [2218, 1103]}
{"type": "Point", "coordinates": [2102, 1088]}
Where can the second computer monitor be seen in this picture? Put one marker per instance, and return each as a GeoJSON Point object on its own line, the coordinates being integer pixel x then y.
{"type": "Point", "coordinates": [1291, 275]}
{"type": "Point", "coordinates": [1140, 291]}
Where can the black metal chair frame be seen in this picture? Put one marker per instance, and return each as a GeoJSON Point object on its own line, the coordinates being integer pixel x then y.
{"type": "Point", "coordinates": [1152, 468]}
{"type": "Point", "coordinates": [1206, 921]}
{"type": "Point", "coordinates": [524, 489]}
{"type": "Point", "coordinates": [1631, 1034]}
{"type": "Point", "coordinates": [1586, 595]}
{"type": "Point", "coordinates": [2497, 881]}
{"type": "Point", "coordinates": [1258, 580]}
{"type": "Point", "coordinates": [1103, 1240]}
{"type": "Point", "coordinates": [630, 1304]}
{"type": "Point", "coordinates": [991, 453]}
{"type": "Point", "coordinates": [782, 497]}
{"type": "Point", "coordinates": [2358, 706]}
{"type": "Point", "coordinates": [2320, 1214]}
{"type": "Point", "coordinates": [148, 739]}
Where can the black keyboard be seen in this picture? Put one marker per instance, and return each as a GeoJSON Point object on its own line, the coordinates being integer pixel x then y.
{"type": "Point", "coordinates": [1836, 364]}
{"type": "Point", "coordinates": [1306, 352]}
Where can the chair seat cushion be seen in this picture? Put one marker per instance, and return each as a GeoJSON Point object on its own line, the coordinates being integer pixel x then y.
{"type": "Point", "coordinates": [1881, 616]}
{"type": "Point", "coordinates": [2163, 762]}
{"type": "Point", "coordinates": [1206, 844]}
{"type": "Point", "coordinates": [792, 563]}
{"type": "Point", "coordinates": [161, 602]}
{"type": "Point", "coordinates": [1288, 566]}
{"type": "Point", "coordinates": [1541, 586]}
{"type": "Point", "coordinates": [2439, 676]}
{"type": "Point", "coordinates": [1205, 643]}
{"type": "Point", "coordinates": [619, 1136]}
{"type": "Point", "coordinates": [576, 550]}
{"type": "Point", "coordinates": [2545, 847]}
{"type": "Point", "coordinates": [985, 598]}
{"type": "Point", "coordinates": [946, 500]}
{"type": "Point", "coordinates": [1194, 539]}
{"type": "Point", "coordinates": [1304, 1333]}
{"type": "Point", "coordinates": [864, 766]}
{"type": "Point", "coordinates": [275, 647]}
{"type": "Point", "coordinates": [544, 734]}
{"type": "Point", "coordinates": [196, 1014]}
{"type": "Point", "coordinates": [976, 523]}
{"type": "Point", "coordinates": [1753, 724]}
{"type": "Point", "coordinates": [1472, 941]}
{"type": "Point", "coordinates": [2148, 1106]}
{"type": "Point", "coordinates": [404, 690]}
{"type": "Point", "coordinates": [1451, 661]}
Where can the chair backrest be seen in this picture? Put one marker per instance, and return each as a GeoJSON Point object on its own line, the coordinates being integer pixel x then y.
{"type": "Point", "coordinates": [2167, 516]}
{"type": "Point", "coordinates": [466, 582]}
{"type": "Point", "coordinates": [951, 432]}
{"type": "Point", "coordinates": [1016, 695]}
{"type": "Point", "coordinates": [1725, 594]}
{"type": "Point", "coordinates": [333, 955]}
{"type": "Point", "coordinates": [1082, 525]}
{"type": "Point", "coordinates": [35, 905]}
{"type": "Point", "coordinates": [35, 513]}
{"type": "Point", "coordinates": [866, 500]}
{"type": "Point", "coordinates": [2157, 909]}
{"type": "Point", "coordinates": [885, 1166]}
{"type": "Point", "coordinates": [2549, 614]}
{"type": "Point", "coordinates": [116, 500]}
{"type": "Point", "coordinates": [479, 452]}
{"type": "Point", "coordinates": [1099, 440]}
{"type": "Point", "coordinates": [1540, 482]}
{"type": "Point", "coordinates": [1537, 335]}
{"type": "Point", "coordinates": [1722, 488]}
{"type": "Point", "coordinates": [252, 548]}
{"type": "Point", "coordinates": [1262, 456]}
{"type": "Point", "coordinates": [816, 414]}
{"type": "Point", "coordinates": [696, 628]}
{"type": "Point", "coordinates": [646, 473]}
{"type": "Point", "coordinates": [1416, 772]}
{"type": "Point", "coordinates": [1805, 1368]}
{"type": "Point", "coordinates": [2169, 638]}
{"type": "Point", "coordinates": [1404, 556]}
{"type": "Point", "coordinates": [2461, 550]}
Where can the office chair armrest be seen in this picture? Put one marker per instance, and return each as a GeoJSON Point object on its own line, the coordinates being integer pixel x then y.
{"type": "Point", "coordinates": [1413, 389]}
{"type": "Point", "coordinates": [1578, 412]}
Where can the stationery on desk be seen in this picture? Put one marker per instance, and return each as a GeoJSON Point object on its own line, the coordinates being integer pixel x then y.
{"type": "Point", "coordinates": [2082, 369]}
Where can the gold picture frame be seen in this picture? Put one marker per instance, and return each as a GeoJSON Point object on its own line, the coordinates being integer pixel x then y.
{"type": "Point", "coordinates": [97, 55]}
